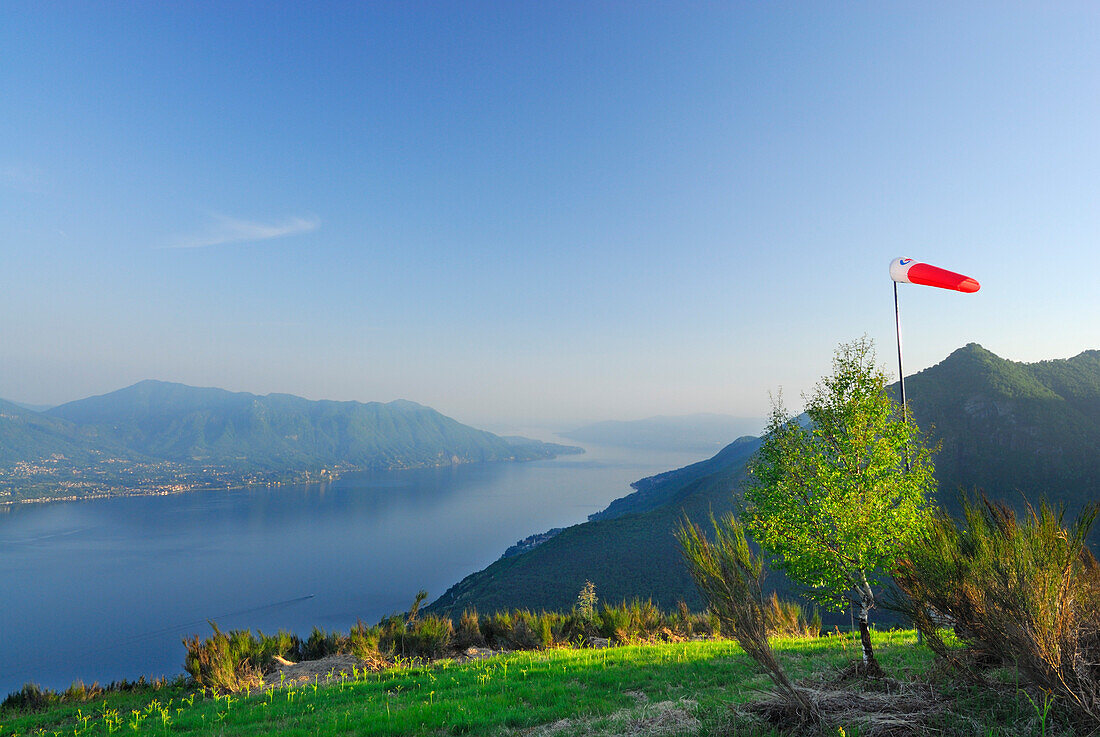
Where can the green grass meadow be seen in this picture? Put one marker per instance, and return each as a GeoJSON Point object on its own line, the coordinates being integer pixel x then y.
{"type": "Point", "coordinates": [616, 690]}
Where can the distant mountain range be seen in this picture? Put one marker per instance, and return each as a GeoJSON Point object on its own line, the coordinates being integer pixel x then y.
{"type": "Point", "coordinates": [705, 433]}
{"type": "Point", "coordinates": [185, 423]}
{"type": "Point", "coordinates": [1005, 427]}
{"type": "Point", "coordinates": [155, 421]}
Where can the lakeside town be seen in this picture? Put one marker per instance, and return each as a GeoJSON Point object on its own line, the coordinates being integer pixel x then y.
{"type": "Point", "coordinates": [58, 478]}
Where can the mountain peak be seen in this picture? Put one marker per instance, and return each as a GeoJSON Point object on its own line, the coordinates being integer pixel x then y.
{"type": "Point", "coordinates": [971, 351]}
{"type": "Point", "coordinates": [406, 405]}
{"type": "Point", "coordinates": [1086, 356]}
{"type": "Point", "coordinates": [157, 386]}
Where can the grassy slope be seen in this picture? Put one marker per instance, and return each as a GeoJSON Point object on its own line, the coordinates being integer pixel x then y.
{"type": "Point", "coordinates": [610, 691]}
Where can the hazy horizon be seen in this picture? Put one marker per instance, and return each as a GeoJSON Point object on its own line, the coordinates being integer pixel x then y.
{"type": "Point", "coordinates": [495, 425]}
{"type": "Point", "coordinates": [530, 214]}
{"type": "Point", "coordinates": [503, 425]}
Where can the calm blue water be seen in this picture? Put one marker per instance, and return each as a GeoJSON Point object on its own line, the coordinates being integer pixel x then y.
{"type": "Point", "coordinates": [105, 589]}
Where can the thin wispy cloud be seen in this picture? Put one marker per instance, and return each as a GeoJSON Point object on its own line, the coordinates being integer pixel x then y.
{"type": "Point", "coordinates": [225, 230]}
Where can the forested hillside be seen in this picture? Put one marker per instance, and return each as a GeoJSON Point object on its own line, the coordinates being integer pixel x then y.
{"type": "Point", "coordinates": [1009, 427]}
{"type": "Point", "coordinates": [1003, 427]}
{"type": "Point", "coordinates": [183, 423]}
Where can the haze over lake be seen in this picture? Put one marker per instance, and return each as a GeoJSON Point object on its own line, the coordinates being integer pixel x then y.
{"type": "Point", "coordinates": [105, 589]}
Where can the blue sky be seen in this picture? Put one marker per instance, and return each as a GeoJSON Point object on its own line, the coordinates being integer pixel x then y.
{"type": "Point", "coordinates": [536, 212]}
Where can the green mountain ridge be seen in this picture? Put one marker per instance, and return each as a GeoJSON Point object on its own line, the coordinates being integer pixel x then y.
{"type": "Point", "coordinates": [155, 422]}
{"type": "Point", "coordinates": [1004, 427]}
{"type": "Point", "coordinates": [1012, 428]}
{"type": "Point", "coordinates": [280, 431]}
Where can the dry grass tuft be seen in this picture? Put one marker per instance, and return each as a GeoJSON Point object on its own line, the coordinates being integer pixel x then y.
{"type": "Point", "coordinates": [662, 719]}
{"type": "Point", "coordinates": [897, 710]}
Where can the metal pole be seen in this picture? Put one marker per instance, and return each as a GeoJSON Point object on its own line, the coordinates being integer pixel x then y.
{"type": "Point", "coordinates": [904, 406]}
{"type": "Point", "coordinates": [901, 371]}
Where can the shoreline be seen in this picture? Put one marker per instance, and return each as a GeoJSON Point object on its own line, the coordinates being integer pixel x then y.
{"type": "Point", "coordinates": [326, 478]}
{"type": "Point", "coordinates": [150, 492]}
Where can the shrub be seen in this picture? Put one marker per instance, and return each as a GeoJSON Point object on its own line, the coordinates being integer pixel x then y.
{"type": "Point", "coordinates": [1018, 591]}
{"type": "Point", "coordinates": [414, 610]}
{"type": "Point", "coordinates": [468, 633]}
{"type": "Point", "coordinates": [706, 623]}
{"type": "Point", "coordinates": [322, 644]}
{"type": "Point", "coordinates": [646, 619]}
{"type": "Point", "coordinates": [525, 631]}
{"type": "Point", "coordinates": [224, 662]}
{"type": "Point", "coordinates": [643, 621]}
{"type": "Point", "coordinates": [428, 637]}
{"type": "Point", "coordinates": [586, 602]}
{"type": "Point", "coordinates": [282, 644]}
{"type": "Point", "coordinates": [729, 577]}
{"type": "Point", "coordinates": [788, 619]}
{"type": "Point", "coordinates": [391, 634]}
{"type": "Point", "coordinates": [682, 624]}
{"type": "Point", "coordinates": [31, 697]}
{"type": "Point", "coordinates": [363, 641]}
{"type": "Point", "coordinates": [524, 636]}
{"type": "Point", "coordinates": [576, 628]}
{"type": "Point", "coordinates": [550, 628]}
{"type": "Point", "coordinates": [233, 661]}
{"type": "Point", "coordinates": [78, 691]}
{"type": "Point", "coordinates": [614, 623]}
{"type": "Point", "coordinates": [497, 630]}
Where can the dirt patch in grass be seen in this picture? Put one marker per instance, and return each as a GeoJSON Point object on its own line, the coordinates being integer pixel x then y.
{"type": "Point", "coordinates": [661, 719]}
{"type": "Point", "coordinates": [332, 667]}
{"type": "Point", "coordinates": [664, 718]}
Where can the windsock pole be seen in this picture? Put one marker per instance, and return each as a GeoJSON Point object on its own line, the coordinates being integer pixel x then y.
{"type": "Point", "coordinates": [901, 372]}
{"type": "Point", "coordinates": [904, 407]}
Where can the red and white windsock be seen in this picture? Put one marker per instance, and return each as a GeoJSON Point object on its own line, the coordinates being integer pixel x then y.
{"type": "Point", "coordinates": [908, 271]}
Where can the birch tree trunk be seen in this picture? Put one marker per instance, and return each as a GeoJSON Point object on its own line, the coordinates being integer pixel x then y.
{"type": "Point", "coordinates": [866, 603]}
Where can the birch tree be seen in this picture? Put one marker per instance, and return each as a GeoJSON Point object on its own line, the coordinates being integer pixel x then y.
{"type": "Point", "coordinates": [837, 499]}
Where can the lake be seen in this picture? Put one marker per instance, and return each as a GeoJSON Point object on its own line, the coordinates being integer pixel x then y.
{"type": "Point", "coordinates": [105, 589]}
